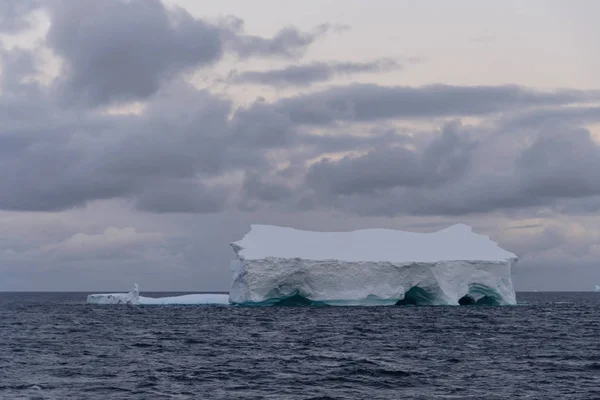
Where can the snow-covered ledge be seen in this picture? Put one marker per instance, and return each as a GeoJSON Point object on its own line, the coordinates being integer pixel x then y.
{"type": "Point", "coordinates": [277, 265]}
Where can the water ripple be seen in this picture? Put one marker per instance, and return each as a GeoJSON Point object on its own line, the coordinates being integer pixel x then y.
{"type": "Point", "coordinates": [54, 347]}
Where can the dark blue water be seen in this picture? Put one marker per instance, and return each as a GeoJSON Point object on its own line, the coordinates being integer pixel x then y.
{"type": "Point", "coordinates": [53, 346]}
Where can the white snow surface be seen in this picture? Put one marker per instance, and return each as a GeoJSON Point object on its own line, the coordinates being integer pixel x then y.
{"type": "Point", "coordinates": [370, 267]}
{"type": "Point", "coordinates": [188, 299]}
{"type": "Point", "coordinates": [458, 242]}
{"type": "Point", "coordinates": [134, 298]}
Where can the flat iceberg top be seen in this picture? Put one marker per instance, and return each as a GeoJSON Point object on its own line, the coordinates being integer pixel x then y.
{"type": "Point", "coordinates": [457, 242]}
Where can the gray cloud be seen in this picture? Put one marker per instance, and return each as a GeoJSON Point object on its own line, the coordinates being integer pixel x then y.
{"type": "Point", "coordinates": [283, 162]}
{"type": "Point", "coordinates": [164, 159]}
{"type": "Point", "coordinates": [187, 196]}
{"type": "Point", "coordinates": [260, 125]}
{"type": "Point", "coordinates": [313, 145]}
{"type": "Point", "coordinates": [265, 189]}
{"type": "Point", "coordinates": [550, 117]}
{"type": "Point", "coordinates": [61, 158]}
{"type": "Point", "coordinates": [13, 14]}
{"type": "Point", "coordinates": [561, 164]}
{"type": "Point", "coordinates": [305, 75]}
{"type": "Point", "coordinates": [288, 42]}
{"type": "Point", "coordinates": [117, 50]}
{"type": "Point", "coordinates": [17, 64]}
{"type": "Point", "coordinates": [378, 169]}
{"type": "Point", "coordinates": [369, 102]}
{"type": "Point", "coordinates": [444, 160]}
{"type": "Point", "coordinates": [120, 50]}
{"type": "Point", "coordinates": [168, 158]}
{"type": "Point", "coordinates": [557, 168]}
{"type": "Point", "coordinates": [578, 206]}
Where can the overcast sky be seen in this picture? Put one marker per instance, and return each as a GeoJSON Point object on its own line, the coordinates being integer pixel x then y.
{"type": "Point", "coordinates": [139, 138]}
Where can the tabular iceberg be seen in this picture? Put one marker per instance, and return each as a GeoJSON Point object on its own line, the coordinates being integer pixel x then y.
{"type": "Point", "coordinates": [134, 298]}
{"type": "Point", "coordinates": [277, 265]}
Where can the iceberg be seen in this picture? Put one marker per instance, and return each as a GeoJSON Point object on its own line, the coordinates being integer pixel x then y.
{"type": "Point", "coordinates": [134, 298]}
{"type": "Point", "coordinates": [279, 265]}
{"type": "Point", "coordinates": [188, 299]}
{"type": "Point", "coordinates": [597, 288]}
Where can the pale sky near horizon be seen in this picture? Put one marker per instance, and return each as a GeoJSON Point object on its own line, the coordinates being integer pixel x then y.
{"type": "Point", "coordinates": [139, 138]}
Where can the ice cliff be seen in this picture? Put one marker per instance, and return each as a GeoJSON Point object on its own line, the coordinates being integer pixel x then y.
{"type": "Point", "coordinates": [277, 265]}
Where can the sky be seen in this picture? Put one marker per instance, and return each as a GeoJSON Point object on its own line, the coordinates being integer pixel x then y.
{"type": "Point", "coordinates": [139, 138]}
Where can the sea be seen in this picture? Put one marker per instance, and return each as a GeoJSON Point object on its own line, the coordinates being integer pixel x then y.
{"type": "Point", "coordinates": [54, 346]}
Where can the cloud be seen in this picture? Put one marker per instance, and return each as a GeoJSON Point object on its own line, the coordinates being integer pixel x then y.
{"type": "Point", "coordinates": [113, 243]}
{"type": "Point", "coordinates": [14, 13]}
{"type": "Point", "coordinates": [190, 150]}
{"type": "Point", "coordinates": [17, 65]}
{"type": "Point", "coordinates": [161, 159]}
{"type": "Point", "coordinates": [113, 255]}
{"type": "Point", "coordinates": [560, 164]}
{"type": "Point", "coordinates": [370, 102]}
{"type": "Point", "coordinates": [550, 117]}
{"type": "Point", "coordinates": [446, 177]}
{"type": "Point", "coordinates": [256, 187]}
{"type": "Point", "coordinates": [558, 240]}
{"type": "Point", "coordinates": [188, 196]}
{"type": "Point", "coordinates": [364, 174]}
{"type": "Point", "coordinates": [181, 153]}
{"type": "Point", "coordinates": [60, 159]}
{"type": "Point", "coordinates": [260, 125]}
{"type": "Point", "coordinates": [305, 75]}
{"type": "Point", "coordinates": [341, 157]}
{"type": "Point", "coordinates": [288, 42]}
{"type": "Point", "coordinates": [445, 159]}
{"type": "Point", "coordinates": [119, 51]}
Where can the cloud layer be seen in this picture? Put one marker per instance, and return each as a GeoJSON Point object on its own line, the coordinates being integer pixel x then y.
{"type": "Point", "coordinates": [360, 149]}
{"type": "Point", "coordinates": [307, 74]}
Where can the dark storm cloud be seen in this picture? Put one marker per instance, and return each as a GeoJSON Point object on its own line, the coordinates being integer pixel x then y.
{"type": "Point", "coordinates": [369, 102]}
{"type": "Point", "coordinates": [117, 50]}
{"type": "Point", "coordinates": [305, 75]}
